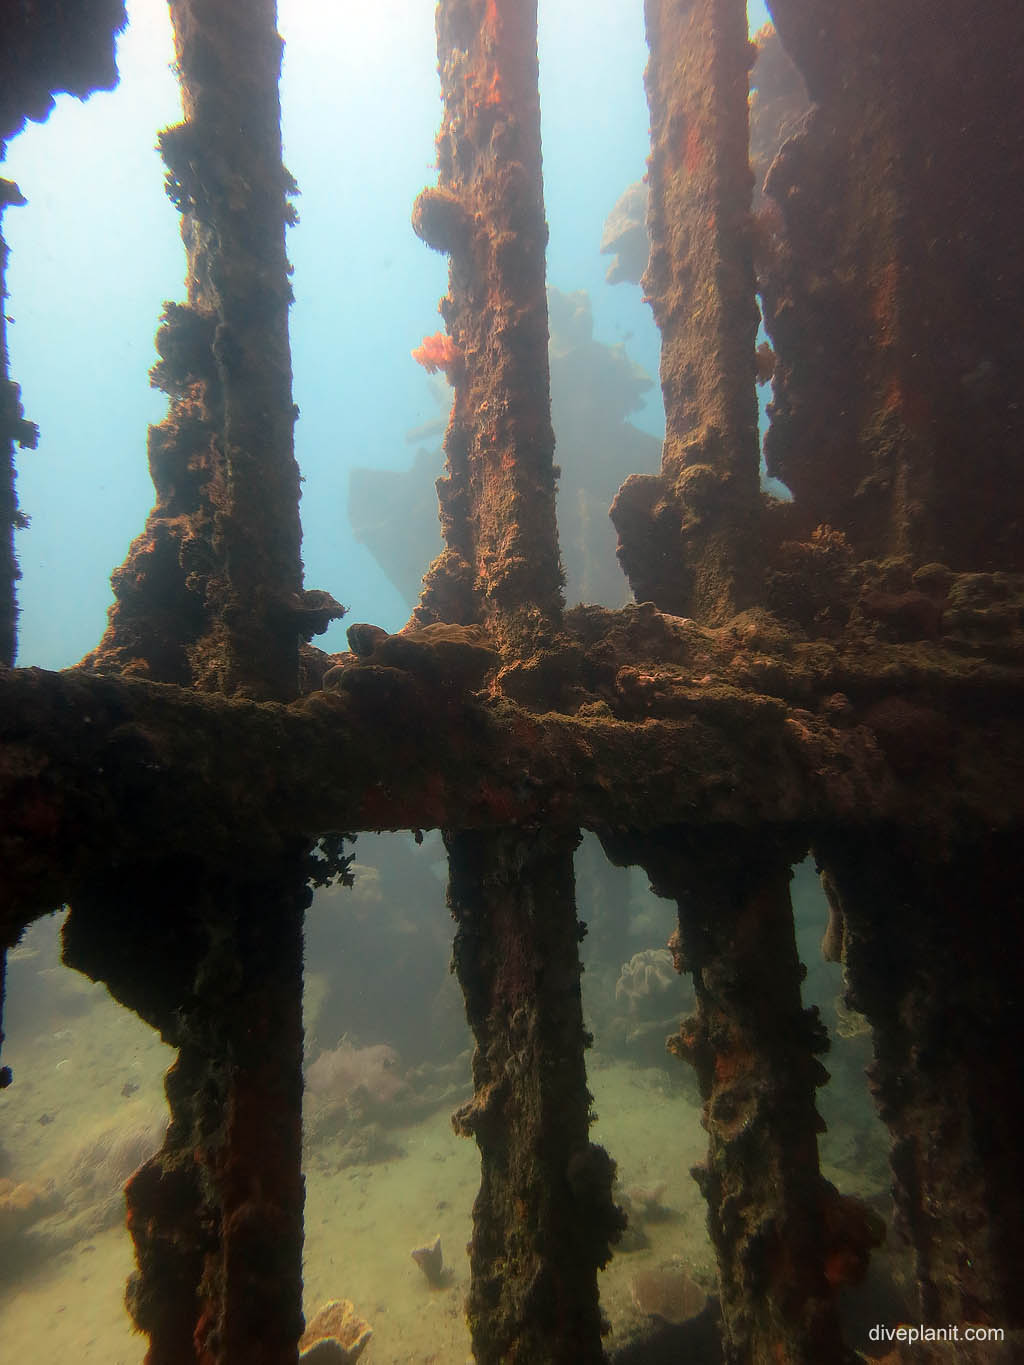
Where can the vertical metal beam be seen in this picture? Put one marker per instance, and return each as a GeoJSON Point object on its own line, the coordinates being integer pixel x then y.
{"type": "Point", "coordinates": [211, 597]}
{"type": "Point", "coordinates": [211, 593]}
{"type": "Point", "coordinates": [781, 1232]}
{"type": "Point", "coordinates": [224, 458]}
{"type": "Point", "coordinates": [14, 430]}
{"type": "Point", "coordinates": [544, 1218]}
{"type": "Point", "coordinates": [892, 292]}
{"type": "Point", "coordinates": [687, 537]}
{"type": "Point", "coordinates": [932, 941]}
{"type": "Point", "coordinates": [216, 1214]}
{"type": "Point", "coordinates": [501, 565]}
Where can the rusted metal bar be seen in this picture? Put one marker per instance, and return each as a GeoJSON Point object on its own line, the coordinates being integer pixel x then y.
{"type": "Point", "coordinates": [14, 430]}
{"type": "Point", "coordinates": [688, 537]}
{"type": "Point", "coordinates": [211, 597]}
{"type": "Point", "coordinates": [892, 284]}
{"type": "Point", "coordinates": [40, 57]}
{"type": "Point", "coordinates": [783, 1236]}
{"type": "Point", "coordinates": [211, 593]}
{"type": "Point", "coordinates": [896, 313]}
{"type": "Point", "coordinates": [101, 768]}
{"type": "Point", "coordinates": [544, 1215]}
{"type": "Point", "coordinates": [544, 1218]}
{"type": "Point", "coordinates": [932, 939]}
{"type": "Point", "coordinates": [216, 1215]}
{"type": "Point", "coordinates": [501, 564]}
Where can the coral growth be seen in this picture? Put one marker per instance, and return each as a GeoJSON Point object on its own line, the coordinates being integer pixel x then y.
{"type": "Point", "coordinates": [370, 1074]}
{"type": "Point", "coordinates": [645, 977]}
{"type": "Point", "coordinates": [646, 1201]}
{"type": "Point", "coordinates": [22, 1204]}
{"type": "Point", "coordinates": [430, 1260]}
{"type": "Point", "coordinates": [439, 352]}
{"type": "Point", "coordinates": [439, 218]}
{"type": "Point", "coordinates": [336, 1335]}
{"type": "Point", "coordinates": [668, 1294]}
{"type": "Point", "coordinates": [642, 1205]}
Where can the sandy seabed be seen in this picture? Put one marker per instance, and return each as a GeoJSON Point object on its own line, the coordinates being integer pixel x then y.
{"type": "Point", "coordinates": [88, 1082]}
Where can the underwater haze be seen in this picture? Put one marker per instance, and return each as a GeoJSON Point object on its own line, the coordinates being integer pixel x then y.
{"type": "Point", "coordinates": [94, 254]}
{"type": "Point", "coordinates": [96, 251]}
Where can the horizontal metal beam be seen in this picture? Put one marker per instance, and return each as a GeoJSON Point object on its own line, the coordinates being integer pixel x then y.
{"type": "Point", "coordinates": [98, 772]}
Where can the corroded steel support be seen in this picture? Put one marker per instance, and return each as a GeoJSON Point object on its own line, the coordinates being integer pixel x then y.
{"type": "Point", "coordinates": [932, 944]}
{"type": "Point", "coordinates": [47, 51]}
{"type": "Point", "coordinates": [893, 281]}
{"type": "Point", "coordinates": [211, 597]}
{"type": "Point", "coordinates": [544, 1216]}
{"type": "Point", "coordinates": [14, 430]}
{"type": "Point", "coordinates": [41, 54]}
{"type": "Point", "coordinates": [688, 537]}
{"type": "Point", "coordinates": [879, 709]}
{"type": "Point", "coordinates": [211, 593]}
{"type": "Point", "coordinates": [501, 564]}
{"type": "Point", "coordinates": [216, 1215]}
{"type": "Point", "coordinates": [781, 1233]}
{"type": "Point", "coordinates": [678, 724]}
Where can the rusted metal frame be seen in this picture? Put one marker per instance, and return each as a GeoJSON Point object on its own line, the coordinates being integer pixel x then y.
{"type": "Point", "coordinates": [931, 939]}
{"type": "Point", "coordinates": [780, 1231]}
{"type": "Point", "coordinates": [501, 565]}
{"type": "Point", "coordinates": [225, 162]}
{"type": "Point", "coordinates": [98, 770]}
{"type": "Point", "coordinates": [211, 597]}
{"type": "Point", "coordinates": [14, 430]}
{"type": "Point", "coordinates": [688, 537]}
{"type": "Point", "coordinates": [544, 1218]}
{"type": "Point", "coordinates": [47, 53]}
{"type": "Point", "coordinates": [544, 1215]}
{"type": "Point", "coordinates": [833, 286]}
{"type": "Point", "coordinates": [39, 58]}
{"type": "Point", "coordinates": [891, 286]}
{"type": "Point", "coordinates": [216, 1216]}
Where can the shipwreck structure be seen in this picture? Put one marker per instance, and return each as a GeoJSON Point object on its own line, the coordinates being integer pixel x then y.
{"type": "Point", "coordinates": [840, 674]}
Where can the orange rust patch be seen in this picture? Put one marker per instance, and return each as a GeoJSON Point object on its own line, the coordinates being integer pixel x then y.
{"type": "Point", "coordinates": [497, 800]}
{"type": "Point", "coordinates": [892, 400]}
{"type": "Point", "coordinates": [729, 1065]}
{"type": "Point", "coordinates": [843, 1267]}
{"type": "Point", "coordinates": [694, 151]}
{"type": "Point", "coordinates": [493, 95]}
{"type": "Point", "coordinates": [885, 301]}
{"type": "Point", "coordinates": [483, 95]}
{"type": "Point", "coordinates": [913, 406]}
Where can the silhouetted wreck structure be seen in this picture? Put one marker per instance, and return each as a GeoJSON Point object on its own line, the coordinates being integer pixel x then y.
{"type": "Point", "coordinates": [840, 674]}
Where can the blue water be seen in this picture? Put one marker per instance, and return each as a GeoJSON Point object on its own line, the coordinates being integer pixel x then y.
{"type": "Point", "coordinates": [96, 251]}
